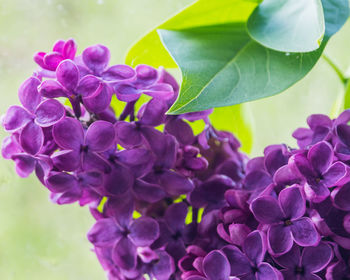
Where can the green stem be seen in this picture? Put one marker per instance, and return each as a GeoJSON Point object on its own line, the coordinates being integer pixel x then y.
{"type": "Point", "coordinates": [347, 95]}
{"type": "Point", "coordinates": [336, 69]}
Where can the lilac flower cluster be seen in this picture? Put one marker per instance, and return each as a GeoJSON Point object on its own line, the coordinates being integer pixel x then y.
{"type": "Point", "coordinates": [170, 204]}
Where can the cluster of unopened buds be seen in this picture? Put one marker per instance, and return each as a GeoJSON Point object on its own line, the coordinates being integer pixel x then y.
{"type": "Point", "coordinates": [169, 204]}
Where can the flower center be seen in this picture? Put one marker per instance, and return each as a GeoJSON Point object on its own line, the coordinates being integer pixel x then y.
{"type": "Point", "coordinates": [288, 222]}
{"type": "Point", "coordinates": [84, 148]}
{"type": "Point", "coordinates": [299, 270]}
{"type": "Point", "coordinates": [177, 235]}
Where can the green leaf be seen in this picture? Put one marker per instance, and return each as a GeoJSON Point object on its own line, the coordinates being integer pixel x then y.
{"type": "Point", "coordinates": [288, 25]}
{"type": "Point", "coordinates": [336, 12]}
{"type": "Point", "coordinates": [221, 65]}
{"type": "Point", "coordinates": [149, 50]}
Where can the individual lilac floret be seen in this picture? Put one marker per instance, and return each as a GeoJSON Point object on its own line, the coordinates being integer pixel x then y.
{"type": "Point", "coordinates": [145, 83]}
{"type": "Point", "coordinates": [80, 149]}
{"type": "Point", "coordinates": [68, 188]}
{"type": "Point", "coordinates": [61, 50]}
{"type": "Point", "coordinates": [95, 95]}
{"type": "Point", "coordinates": [249, 263]}
{"type": "Point", "coordinates": [213, 266]}
{"type": "Point", "coordinates": [319, 170]}
{"type": "Point", "coordinates": [173, 230]}
{"type": "Point", "coordinates": [285, 220]}
{"type": "Point", "coordinates": [321, 128]}
{"type": "Point", "coordinates": [35, 115]}
{"type": "Point", "coordinates": [95, 60]}
{"type": "Point", "coordinates": [124, 235]}
{"type": "Point", "coordinates": [307, 264]}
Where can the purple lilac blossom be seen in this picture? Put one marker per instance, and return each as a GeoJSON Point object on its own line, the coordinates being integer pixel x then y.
{"type": "Point", "coordinates": [169, 203]}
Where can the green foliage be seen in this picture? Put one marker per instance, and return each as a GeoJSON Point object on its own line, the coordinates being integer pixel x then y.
{"type": "Point", "coordinates": [149, 49]}
{"type": "Point", "coordinates": [223, 64]}
{"type": "Point", "coordinates": [288, 25]}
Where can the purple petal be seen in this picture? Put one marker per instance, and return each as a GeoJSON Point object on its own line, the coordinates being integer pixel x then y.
{"type": "Point", "coordinates": [52, 60]}
{"type": "Point", "coordinates": [16, 118]}
{"type": "Point", "coordinates": [96, 58]}
{"type": "Point", "coordinates": [341, 197]}
{"type": "Point", "coordinates": [39, 59]}
{"type": "Point", "coordinates": [49, 112]}
{"type": "Point", "coordinates": [91, 178]}
{"type": "Point", "coordinates": [267, 210]}
{"type": "Point", "coordinates": [266, 272]}
{"type": "Point", "coordinates": [124, 254]}
{"type": "Point", "coordinates": [68, 74]}
{"type": "Point", "coordinates": [317, 120]}
{"type": "Point", "coordinates": [60, 182]}
{"type": "Point", "coordinates": [119, 72]}
{"type": "Point", "coordinates": [100, 100]}
{"type": "Point", "coordinates": [127, 92]}
{"type": "Point", "coordinates": [120, 208]}
{"type": "Point", "coordinates": [164, 267]}
{"type": "Point", "coordinates": [316, 192]}
{"type": "Point", "coordinates": [285, 176]}
{"type": "Point", "coordinates": [68, 160]}
{"type": "Point", "coordinates": [100, 136]}
{"type": "Point", "coordinates": [58, 46]}
{"type": "Point", "coordinates": [162, 91]}
{"type": "Point", "coordinates": [290, 259]}
{"type": "Point", "coordinates": [304, 232]}
{"type": "Point", "coordinates": [279, 239]}
{"type": "Point", "coordinates": [68, 134]}
{"type": "Point", "coordinates": [51, 89]}
{"type": "Point", "coordinates": [254, 247]}
{"type": "Point", "coordinates": [181, 130]}
{"type": "Point", "coordinates": [28, 93]}
{"type": "Point", "coordinates": [275, 159]}
{"type": "Point", "coordinates": [25, 164]}
{"type": "Point", "coordinates": [105, 232]}
{"type": "Point", "coordinates": [71, 196]}
{"type": "Point", "coordinates": [239, 263]}
{"type": "Point", "coordinates": [175, 184]}
{"type": "Point", "coordinates": [292, 202]}
{"type": "Point", "coordinates": [238, 233]}
{"type": "Point", "coordinates": [154, 112]}
{"type": "Point", "coordinates": [257, 180]}
{"type": "Point", "coordinates": [163, 146]}
{"type": "Point", "coordinates": [343, 132]}
{"type": "Point", "coordinates": [10, 146]}
{"type": "Point", "coordinates": [31, 138]}
{"type": "Point", "coordinates": [144, 231]}
{"type": "Point", "coordinates": [314, 259]}
{"type": "Point", "coordinates": [216, 266]}
{"type": "Point", "coordinates": [127, 134]}
{"type": "Point", "coordinates": [140, 161]}
{"type": "Point", "coordinates": [148, 192]}
{"type": "Point", "coordinates": [69, 49]}
{"type": "Point", "coordinates": [304, 166]}
{"type": "Point", "coordinates": [146, 75]}
{"type": "Point", "coordinates": [175, 216]}
{"type": "Point", "coordinates": [94, 161]}
{"type": "Point", "coordinates": [321, 156]}
{"type": "Point", "coordinates": [118, 187]}
{"type": "Point", "coordinates": [88, 86]}
{"type": "Point", "coordinates": [334, 174]}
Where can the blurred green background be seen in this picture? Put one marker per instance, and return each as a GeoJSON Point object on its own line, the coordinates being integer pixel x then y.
{"type": "Point", "coordinates": [40, 240]}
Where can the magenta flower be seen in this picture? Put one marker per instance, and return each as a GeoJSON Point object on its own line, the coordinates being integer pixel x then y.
{"type": "Point", "coordinates": [95, 95]}
{"type": "Point", "coordinates": [80, 149]}
{"type": "Point", "coordinates": [249, 263]}
{"type": "Point", "coordinates": [285, 220]}
{"type": "Point", "coordinates": [61, 50]}
{"type": "Point", "coordinates": [124, 235]}
{"type": "Point", "coordinates": [319, 170]}
{"type": "Point", "coordinates": [307, 264]}
{"type": "Point", "coordinates": [35, 115]}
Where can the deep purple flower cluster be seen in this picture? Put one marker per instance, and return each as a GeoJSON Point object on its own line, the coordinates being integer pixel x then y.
{"type": "Point", "coordinates": [170, 204]}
